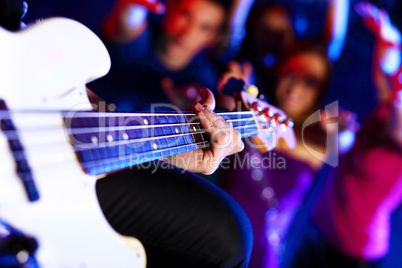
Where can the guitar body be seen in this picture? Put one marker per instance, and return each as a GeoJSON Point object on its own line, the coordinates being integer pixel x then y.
{"type": "Point", "coordinates": [44, 70]}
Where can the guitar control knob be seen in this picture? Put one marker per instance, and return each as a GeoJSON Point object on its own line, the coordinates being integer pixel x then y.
{"type": "Point", "coordinates": [276, 118]}
{"type": "Point", "coordinates": [289, 122]}
{"type": "Point", "coordinates": [267, 113]}
{"type": "Point", "coordinates": [256, 107]}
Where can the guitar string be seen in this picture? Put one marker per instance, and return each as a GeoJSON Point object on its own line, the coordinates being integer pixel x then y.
{"type": "Point", "coordinates": [36, 167]}
{"type": "Point", "coordinates": [13, 134]}
{"type": "Point", "coordinates": [5, 114]}
{"type": "Point", "coordinates": [20, 155]}
{"type": "Point", "coordinates": [119, 114]}
{"type": "Point", "coordinates": [95, 129]}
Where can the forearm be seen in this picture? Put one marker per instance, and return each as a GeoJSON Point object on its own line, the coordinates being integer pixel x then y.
{"type": "Point", "coordinates": [336, 27]}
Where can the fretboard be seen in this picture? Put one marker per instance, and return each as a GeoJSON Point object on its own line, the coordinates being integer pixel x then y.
{"type": "Point", "coordinates": [107, 142]}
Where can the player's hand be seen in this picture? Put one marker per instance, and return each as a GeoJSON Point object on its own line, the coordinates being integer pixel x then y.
{"type": "Point", "coordinates": [224, 140]}
{"type": "Point", "coordinates": [340, 120]}
{"type": "Point", "coordinates": [241, 71]}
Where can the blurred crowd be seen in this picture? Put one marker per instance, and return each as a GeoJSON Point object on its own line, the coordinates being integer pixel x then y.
{"type": "Point", "coordinates": [344, 175]}
{"type": "Point", "coordinates": [204, 43]}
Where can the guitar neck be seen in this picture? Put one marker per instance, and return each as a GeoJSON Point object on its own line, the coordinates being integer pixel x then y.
{"type": "Point", "coordinates": [107, 142]}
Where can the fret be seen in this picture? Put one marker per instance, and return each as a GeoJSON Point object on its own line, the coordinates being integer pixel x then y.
{"type": "Point", "coordinates": [110, 137]}
{"type": "Point", "coordinates": [191, 140]}
{"type": "Point", "coordinates": [163, 143]}
{"type": "Point", "coordinates": [175, 130]}
{"type": "Point", "coordinates": [155, 146]}
{"type": "Point", "coordinates": [150, 133]}
{"type": "Point", "coordinates": [158, 131]}
{"type": "Point", "coordinates": [133, 134]}
{"type": "Point", "coordinates": [171, 141]}
{"type": "Point", "coordinates": [199, 137]}
{"type": "Point", "coordinates": [86, 156]}
{"type": "Point", "coordinates": [96, 154]}
{"type": "Point", "coordinates": [172, 119]}
{"type": "Point", "coordinates": [131, 121]}
{"type": "Point", "coordinates": [82, 138]}
{"type": "Point", "coordinates": [188, 138]}
{"type": "Point", "coordinates": [168, 130]}
{"type": "Point", "coordinates": [162, 119]}
{"type": "Point", "coordinates": [104, 153]}
{"type": "Point", "coordinates": [181, 140]}
{"type": "Point", "coordinates": [181, 118]}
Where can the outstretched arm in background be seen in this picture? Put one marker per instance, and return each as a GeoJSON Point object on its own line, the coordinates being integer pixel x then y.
{"type": "Point", "coordinates": [336, 27]}
{"type": "Point", "coordinates": [387, 69]}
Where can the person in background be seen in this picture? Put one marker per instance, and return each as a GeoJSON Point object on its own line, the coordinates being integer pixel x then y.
{"type": "Point", "coordinates": [270, 36]}
{"type": "Point", "coordinates": [297, 84]}
{"type": "Point", "coordinates": [271, 195]}
{"type": "Point", "coordinates": [353, 212]}
{"type": "Point", "coordinates": [162, 62]}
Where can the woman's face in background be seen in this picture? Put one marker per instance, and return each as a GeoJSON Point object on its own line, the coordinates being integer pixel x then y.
{"type": "Point", "coordinates": [191, 26]}
{"type": "Point", "coordinates": [300, 82]}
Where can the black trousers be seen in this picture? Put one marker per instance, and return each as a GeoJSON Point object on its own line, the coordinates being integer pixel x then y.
{"type": "Point", "coordinates": [182, 220]}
